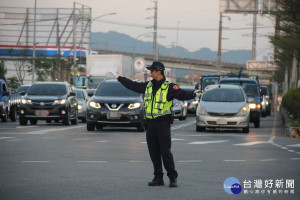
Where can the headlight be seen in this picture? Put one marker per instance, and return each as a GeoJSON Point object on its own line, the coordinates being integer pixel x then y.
{"type": "Point", "coordinates": [201, 110]}
{"type": "Point", "coordinates": [195, 102]}
{"type": "Point", "coordinates": [253, 106]}
{"type": "Point", "coordinates": [79, 107]}
{"type": "Point", "coordinates": [26, 101]}
{"type": "Point", "coordinates": [243, 111]}
{"type": "Point", "coordinates": [60, 101]}
{"type": "Point", "coordinates": [94, 104]}
{"type": "Point", "coordinates": [134, 105]}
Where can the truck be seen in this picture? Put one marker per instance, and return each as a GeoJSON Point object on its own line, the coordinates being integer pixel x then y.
{"type": "Point", "coordinates": [9, 103]}
{"type": "Point", "coordinates": [97, 67]}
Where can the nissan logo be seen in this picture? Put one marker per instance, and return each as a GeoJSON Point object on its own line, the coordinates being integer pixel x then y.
{"type": "Point", "coordinates": [42, 103]}
{"type": "Point", "coordinates": [114, 106]}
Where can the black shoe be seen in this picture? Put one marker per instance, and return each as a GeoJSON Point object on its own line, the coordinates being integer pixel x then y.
{"type": "Point", "coordinates": [173, 182]}
{"type": "Point", "coordinates": [157, 181]}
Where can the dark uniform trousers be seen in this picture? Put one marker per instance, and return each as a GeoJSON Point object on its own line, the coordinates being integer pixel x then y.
{"type": "Point", "coordinates": [159, 145]}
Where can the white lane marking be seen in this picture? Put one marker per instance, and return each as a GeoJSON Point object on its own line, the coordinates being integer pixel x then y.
{"type": "Point", "coordinates": [143, 142]}
{"type": "Point", "coordinates": [293, 145]}
{"type": "Point", "coordinates": [15, 140]}
{"type": "Point", "coordinates": [284, 148]}
{"type": "Point", "coordinates": [102, 141]}
{"type": "Point", "coordinates": [138, 161]}
{"type": "Point", "coordinates": [268, 160]}
{"type": "Point", "coordinates": [189, 161]}
{"type": "Point", "coordinates": [208, 142]}
{"type": "Point", "coordinates": [176, 139]}
{"type": "Point", "coordinates": [39, 132]}
{"type": "Point", "coordinates": [294, 158]}
{"type": "Point", "coordinates": [81, 139]}
{"type": "Point", "coordinates": [297, 152]}
{"type": "Point", "coordinates": [251, 143]}
{"type": "Point", "coordinates": [36, 161]}
{"type": "Point", "coordinates": [91, 161]}
{"type": "Point", "coordinates": [4, 138]}
{"type": "Point", "coordinates": [234, 160]}
{"type": "Point", "coordinates": [182, 125]}
{"type": "Point", "coordinates": [292, 151]}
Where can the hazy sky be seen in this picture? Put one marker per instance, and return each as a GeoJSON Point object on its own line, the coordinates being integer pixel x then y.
{"type": "Point", "coordinates": [200, 16]}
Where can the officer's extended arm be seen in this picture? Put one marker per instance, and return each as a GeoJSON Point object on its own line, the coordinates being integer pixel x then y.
{"type": "Point", "coordinates": [135, 86]}
{"type": "Point", "coordinates": [175, 92]}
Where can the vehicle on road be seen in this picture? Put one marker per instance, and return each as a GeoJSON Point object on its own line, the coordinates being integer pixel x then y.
{"type": "Point", "coordinates": [251, 89]}
{"type": "Point", "coordinates": [192, 104]}
{"type": "Point", "coordinates": [97, 66]}
{"type": "Point", "coordinates": [23, 88]}
{"type": "Point", "coordinates": [9, 103]}
{"type": "Point", "coordinates": [115, 105]}
{"type": "Point", "coordinates": [179, 109]}
{"type": "Point", "coordinates": [223, 106]}
{"type": "Point", "coordinates": [265, 100]}
{"type": "Point", "coordinates": [82, 99]}
{"type": "Point", "coordinates": [49, 101]}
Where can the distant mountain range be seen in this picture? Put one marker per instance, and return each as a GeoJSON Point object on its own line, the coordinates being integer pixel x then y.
{"type": "Point", "coordinates": [122, 42]}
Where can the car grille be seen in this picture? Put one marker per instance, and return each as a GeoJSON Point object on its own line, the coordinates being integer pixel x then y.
{"type": "Point", "coordinates": [215, 123]}
{"type": "Point", "coordinates": [221, 114]}
{"type": "Point", "coordinates": [39, 103]}
{"type": "Point", "coordinates": [114, 106]}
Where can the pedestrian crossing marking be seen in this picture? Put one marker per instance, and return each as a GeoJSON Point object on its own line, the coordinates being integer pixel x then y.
{"type": "Point", "coordinates": [208, 142]}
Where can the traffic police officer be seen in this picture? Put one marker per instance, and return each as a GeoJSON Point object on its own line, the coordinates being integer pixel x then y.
{"type": "Point", "coordinates": [159, 94]}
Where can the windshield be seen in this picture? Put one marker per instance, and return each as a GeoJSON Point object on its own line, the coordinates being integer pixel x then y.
{"type": "Point", "coordinates": [95, 81]}
{"type": "Point", "coordinates": [79, 94]}
{"type": "Point", "coordinates": [48, 90]}
{"type": "Point", "coordinates": [250, 88]}
{"type": "Point", "coordinates": [223, 95]}
{"type": "Point", "coordinates": [209, 81]}
{"type": "Point", "coordinates": [23, 88]}
{"type": "Point", "coordinates": [115, 89]}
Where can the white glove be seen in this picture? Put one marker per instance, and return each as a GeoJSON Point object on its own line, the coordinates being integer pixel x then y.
{"type": "Point", "coordinates": [112, 75]}
{"type": "Point", "coordinates": [197, 93]}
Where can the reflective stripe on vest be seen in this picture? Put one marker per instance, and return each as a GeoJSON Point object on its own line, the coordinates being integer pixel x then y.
{"type": "Point", "coordinates": [157, 105]}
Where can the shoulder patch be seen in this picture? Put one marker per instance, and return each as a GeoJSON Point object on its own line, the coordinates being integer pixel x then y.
{"type": "Point", "coordinates": [175, 87]}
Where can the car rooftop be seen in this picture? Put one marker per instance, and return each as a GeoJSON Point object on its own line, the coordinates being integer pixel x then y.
{"type": "Point", "coordinates": [239, 79]}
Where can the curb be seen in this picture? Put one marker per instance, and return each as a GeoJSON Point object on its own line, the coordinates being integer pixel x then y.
{"type": "Point", "coordinates": [289, 131]}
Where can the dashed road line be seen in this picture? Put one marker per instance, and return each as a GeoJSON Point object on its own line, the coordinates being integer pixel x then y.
{"type": "Point", "coordinates": [4, 138]}
{"type": "Point", "coordinates": [268, 160]}
{"type": "Point", "coordinates": [36, 161]}
{"type": "Point", "coordinates": [182, 125]}
{"type": "Point", "coordinates": [92, 161]}
{"type": "Point", "coordinates": [208, 142]}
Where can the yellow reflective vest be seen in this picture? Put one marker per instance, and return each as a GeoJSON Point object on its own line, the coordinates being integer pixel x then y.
{"type": "Point", "coordinates": [158, 105]}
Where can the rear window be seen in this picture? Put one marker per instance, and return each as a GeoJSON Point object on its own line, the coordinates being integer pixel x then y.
{"type": "Point", "coordinates": [47, 90]}
{"type": "Point", "coordinates": [115, 89]}
{"type": "Point", "coordinates": [23, 88]}
{"type": "Point", "coordinates": [249, 87]}
{"type": "Point", "coordinates": [79, 94]}
{"type": "Point", "coordinates": [223, 95]}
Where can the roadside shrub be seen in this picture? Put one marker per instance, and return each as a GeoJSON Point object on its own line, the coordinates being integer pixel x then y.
{"type": "Point", "coordinates": [291, 102]}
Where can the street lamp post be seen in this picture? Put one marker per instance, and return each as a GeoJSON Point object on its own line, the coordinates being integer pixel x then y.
{"type": "Point", "coordinates": [91, 21]}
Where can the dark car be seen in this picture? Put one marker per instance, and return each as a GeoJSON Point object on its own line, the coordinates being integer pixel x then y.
{"type": "Point", "coordinates": [23, 88]}
{"type": "Point", "coordinates": [49, 101]}
{"type": "Point", "coordinates": [82, 99]}
{"type": "Point", "coordinates": [251, 89]}
{"type": "Point", "coordinates": [115, 105]}
{"type": "Point", "coordinates": [266, 98]}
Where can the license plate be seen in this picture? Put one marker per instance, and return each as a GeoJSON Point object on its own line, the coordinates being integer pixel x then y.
{"type": "Point", "coordinates": [113, 115]}
{"type": "Point", "coordinates": [42, 113]}
{"type": "Point", "coordinates": [222, 121]}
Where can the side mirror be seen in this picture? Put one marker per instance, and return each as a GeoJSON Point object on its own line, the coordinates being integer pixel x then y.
{"type": "Point", "coordinates": [22, 93]}
{"type": "Point", "coordinates": [90, 94]}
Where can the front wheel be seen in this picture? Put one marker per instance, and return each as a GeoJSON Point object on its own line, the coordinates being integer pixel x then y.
{"type": "Point", "coordinates": [90, 127]}
{"type": "Point", "coordinates": [200, 128]}
{"type": "Point", "coordinates": [23, 122]}
{"type": "Point", "coordinates": [246, 130]}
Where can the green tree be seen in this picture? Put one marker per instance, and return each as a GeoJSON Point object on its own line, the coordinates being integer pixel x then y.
{"type": "Point", "coordinates": [288, 42]}
{"type": "Point", "coordinates": [13, 83]}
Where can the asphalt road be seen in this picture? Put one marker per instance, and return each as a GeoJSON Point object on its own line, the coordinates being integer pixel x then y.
{"type": "Point", "coordinates": [51, 161]}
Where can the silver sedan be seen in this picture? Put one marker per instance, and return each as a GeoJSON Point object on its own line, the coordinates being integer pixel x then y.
{"type": "Point", "coordinates": [223, 106]}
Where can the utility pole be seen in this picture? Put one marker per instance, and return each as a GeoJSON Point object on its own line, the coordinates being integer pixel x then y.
{"type": "Point", "coordinates": [34, 43]}
{"type": "Point", "coordinates": [155, 55]}
{"type": "Point", "coordinates": [219, 44]}
{"type": "Point", "coordinates": [254, 36]}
